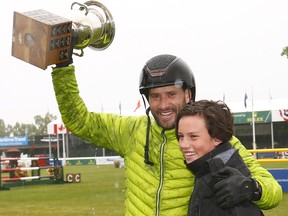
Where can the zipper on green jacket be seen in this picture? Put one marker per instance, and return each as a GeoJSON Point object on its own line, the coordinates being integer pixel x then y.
{"type": "Point", "coordinates": [161, 180]}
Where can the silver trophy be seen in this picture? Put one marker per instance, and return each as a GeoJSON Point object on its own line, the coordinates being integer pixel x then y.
{"type": "Point", "coordinates": [42, 38]}
{"type": "Point", "coordinates": [93, 25]}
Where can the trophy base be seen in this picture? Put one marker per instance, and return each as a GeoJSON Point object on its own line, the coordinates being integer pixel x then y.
{"type": "Point", "coordinates": [41, 38]}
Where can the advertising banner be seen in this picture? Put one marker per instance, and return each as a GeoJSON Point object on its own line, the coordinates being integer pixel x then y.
{"type": "Point", "coordinates": [14, 141]}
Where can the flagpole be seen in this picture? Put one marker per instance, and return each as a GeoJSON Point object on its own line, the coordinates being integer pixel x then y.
{"type": "Point", "coordinates": [58, 145]}
{"type": "Point", "coordinates": [272, 131]}
{"type": "Point", "coordinates": [64, 149]}
{"type": "Point", "coordinates": [253, 123]}
{"type": "Point", "coordinates": [120, 108]}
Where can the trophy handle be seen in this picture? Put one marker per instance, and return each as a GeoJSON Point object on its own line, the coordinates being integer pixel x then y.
{"type": "Point", "coordinates": [96, 29]}
{"type": "Point", "coordinates": [109, 28]}
{"type": "Point", "coordinates": [82, 7]}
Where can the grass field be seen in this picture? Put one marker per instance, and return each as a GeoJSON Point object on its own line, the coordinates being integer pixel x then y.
{"type": "Point", "coordinates": [100, 192]}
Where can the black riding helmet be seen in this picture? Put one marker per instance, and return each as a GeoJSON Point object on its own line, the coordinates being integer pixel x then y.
{"type": "Point", "coordinates": [160, 71]}
{"type": "Point", "coordinates": [165, 70]}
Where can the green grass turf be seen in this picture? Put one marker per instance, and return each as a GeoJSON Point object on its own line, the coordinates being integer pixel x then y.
{"type": "Point", "coordinates": [100, 192]}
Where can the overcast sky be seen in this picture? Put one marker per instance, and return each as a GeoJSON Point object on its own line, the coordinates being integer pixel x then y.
{"type": "Point", "coordinates": [233, 47]}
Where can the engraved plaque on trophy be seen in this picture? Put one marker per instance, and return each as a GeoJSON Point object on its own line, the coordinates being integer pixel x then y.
{"type": "Point", "coordinates": [41, 38]}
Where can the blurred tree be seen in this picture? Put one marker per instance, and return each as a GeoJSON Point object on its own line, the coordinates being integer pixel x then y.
{"type": "Point", "coordinates": [20, 129]}
{"type": "Point", "coordinates": [285, 52]}
{"type": "Point", "coordinates": [17, 130]}
{"type": "Point", "coordinates": [23, 129]}
{"type": "Point", "coordinates": [2, 128]}
{"type": "Point", "coordinates": [9, 130]}
{"type": "Point", "coordinates": [41, 123]}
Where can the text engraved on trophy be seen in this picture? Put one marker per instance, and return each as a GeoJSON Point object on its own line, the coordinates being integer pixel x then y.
{"type": "Point", "coordinates": [41, 38]}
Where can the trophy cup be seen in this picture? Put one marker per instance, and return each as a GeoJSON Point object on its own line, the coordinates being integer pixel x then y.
{"type": "Point", "coordinates": [42, 38]}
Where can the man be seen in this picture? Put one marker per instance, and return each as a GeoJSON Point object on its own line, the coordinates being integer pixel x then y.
{"type": "Point", "coordinates": [157, 181]}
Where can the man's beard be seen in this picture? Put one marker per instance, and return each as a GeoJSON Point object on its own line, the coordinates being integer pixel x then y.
{"type": "Point", "coordinates": [166, 123]}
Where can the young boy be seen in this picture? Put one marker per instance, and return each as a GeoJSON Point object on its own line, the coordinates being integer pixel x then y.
{"type": "Point", "coordinates": [203, 130]}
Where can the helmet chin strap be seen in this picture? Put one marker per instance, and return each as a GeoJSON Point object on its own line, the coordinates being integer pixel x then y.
{"type": "Point", "coordinates": [146, 148]}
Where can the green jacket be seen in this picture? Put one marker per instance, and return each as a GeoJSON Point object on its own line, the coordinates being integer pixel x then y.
{"type": "Point", "coordinates": [161, 189]}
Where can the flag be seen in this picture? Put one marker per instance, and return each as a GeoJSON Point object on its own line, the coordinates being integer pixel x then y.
{"type": "Point", "coordinates": [60, 129]}
{"type": "Point", "coordinates": [284, 114]}
{"type": "Point", "coordinates": [138, 105]}
{"type": "Point", "coordinates": [245, 100]}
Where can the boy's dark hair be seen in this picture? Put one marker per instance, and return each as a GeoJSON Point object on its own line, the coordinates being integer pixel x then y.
{"type": "Point", "coordinates": [217, 116]}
